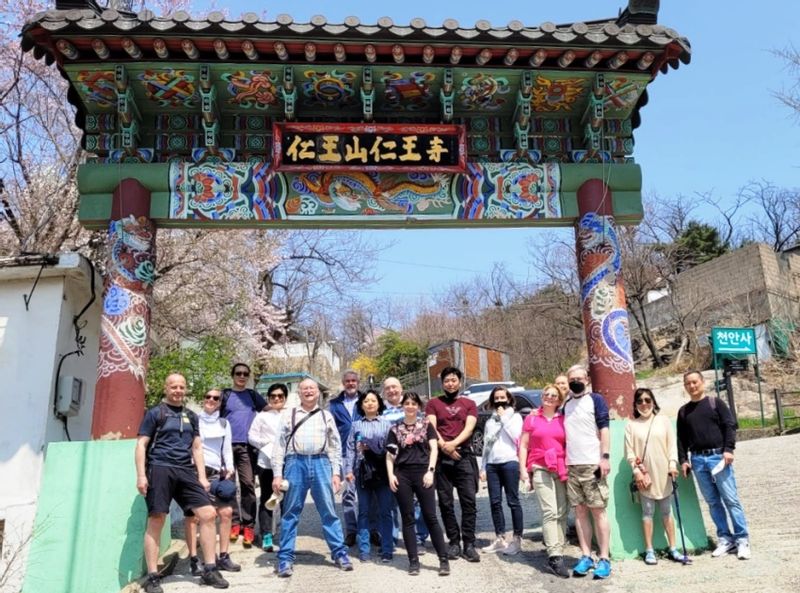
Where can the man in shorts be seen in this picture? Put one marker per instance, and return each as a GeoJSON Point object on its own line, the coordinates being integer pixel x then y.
{"type": "Point", "coordinates": [170, 465]}
{"type": "Point", "coordinates": [586, 424]}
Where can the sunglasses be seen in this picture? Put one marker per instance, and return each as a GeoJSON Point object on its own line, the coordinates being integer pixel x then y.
{"type": "Point", "coordinates": [644, 400]}
{"type": "Point", "coordinates": [241, 374]}
{"type": "Point", "coordinates": [276, 395]}
{"type": "Point", "coordinates": [550, 394]}
{"type": "Point", "coordinates": [213, 397]}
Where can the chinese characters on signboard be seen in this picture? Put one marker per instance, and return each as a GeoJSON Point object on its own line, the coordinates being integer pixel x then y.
{"type": "Point", "coordinates": [733, 340]}
{"type": "Point", "coordinates": [374, 147]}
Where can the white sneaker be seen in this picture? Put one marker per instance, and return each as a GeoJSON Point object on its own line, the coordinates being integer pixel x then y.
{"type": "Point", "coordinates": [497, 545]}
{"type": "Point", "coordinates": [513, 547]}
{"type": "Point", "coordinates": [723, 547]}
{"type": "Point", "coordinates": [743, 550]}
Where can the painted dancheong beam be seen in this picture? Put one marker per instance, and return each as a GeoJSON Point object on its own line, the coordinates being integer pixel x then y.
{"type": "Point", "coordinates": [216, 193]}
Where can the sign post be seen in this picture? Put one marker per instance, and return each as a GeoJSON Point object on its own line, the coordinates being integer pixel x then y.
{"type": "Point", "coordinates": [732, 343]}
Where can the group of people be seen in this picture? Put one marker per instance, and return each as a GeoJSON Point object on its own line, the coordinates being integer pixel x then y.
{"type": "Point", "coordinates": [392, 456]}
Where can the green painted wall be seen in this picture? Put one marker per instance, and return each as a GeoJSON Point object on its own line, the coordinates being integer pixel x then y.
{"type": "Point", "coordinates": [626, 517]}
{"type": "Point", "coordinates": [90, 520]}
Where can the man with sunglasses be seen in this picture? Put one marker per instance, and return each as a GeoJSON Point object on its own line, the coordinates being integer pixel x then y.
{"type": "Point", "coordinates": [170, 465]}
{"type": "Point", "coordinates": [240, 406]}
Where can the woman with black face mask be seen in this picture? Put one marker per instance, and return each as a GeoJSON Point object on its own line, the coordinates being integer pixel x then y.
{"type": "Point", "coordinates": [500, 468]}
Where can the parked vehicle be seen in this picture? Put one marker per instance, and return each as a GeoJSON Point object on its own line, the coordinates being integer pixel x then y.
{"type": "Point", "coordinates": [525, 401]}
{"type": "Point", "coordinates": [479, 392]}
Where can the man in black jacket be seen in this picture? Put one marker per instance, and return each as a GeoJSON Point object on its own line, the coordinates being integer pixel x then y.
{"type": "Point", "coordinates": [706, 441]}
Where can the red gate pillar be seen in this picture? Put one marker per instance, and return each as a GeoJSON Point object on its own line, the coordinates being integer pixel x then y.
{"type": "Point", "coordinates": [125, 324]}
{"type": "Point", "coordinates": [605, 316]}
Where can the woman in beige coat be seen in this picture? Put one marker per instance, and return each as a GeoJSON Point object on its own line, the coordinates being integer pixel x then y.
{"type": "Point", "coordinates": [652, 452]}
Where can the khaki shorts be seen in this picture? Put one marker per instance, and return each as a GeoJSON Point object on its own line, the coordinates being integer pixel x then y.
{"type": "Point", "coordinates": [583, 488]}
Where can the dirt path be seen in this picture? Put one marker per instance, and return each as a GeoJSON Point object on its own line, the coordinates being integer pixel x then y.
{"type": "Point", "coordinates": [769, 485]}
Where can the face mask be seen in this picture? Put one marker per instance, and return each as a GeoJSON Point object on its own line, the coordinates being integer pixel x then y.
{"type": "Point", "coordinates": [576, 387]}
{"type": "Point", "coordinates": [500, 404]}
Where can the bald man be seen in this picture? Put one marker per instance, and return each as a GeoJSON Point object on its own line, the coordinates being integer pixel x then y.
{"type": "Point", "coordinates": [170, 465]}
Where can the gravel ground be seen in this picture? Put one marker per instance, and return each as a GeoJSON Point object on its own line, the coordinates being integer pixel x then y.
{"type": "Point", "coordinates": [765, 485]}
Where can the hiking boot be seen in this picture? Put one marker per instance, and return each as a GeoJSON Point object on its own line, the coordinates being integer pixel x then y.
{"type": "Point", "coordinates": [454, 552]}
{"type": "Point", "coordinates": [556, 565]}
{"type": "Point", "coordinates": [444, 567]}
{"type": "Point", "coordinates": [343, 562]}
{"type": "Point", "coordinates": [284, 569]}
{"type": "Point", "coordinates": [498, 545]}
{"type": "Point", "coordinates": [471, 554]}
{"type": "Point", "coordinates": [212, 578]}
{"type": "Point", "coordinates": [266, 543]}
{"type": "Point", "coordinates": [723, 547]}
{"type": "Point", "coordinates": [196, 566]}
{"type": "Point", "coordinates": [153, 584]}
{"type": "Point", "coordinates": [249, 537]}
{"type": "Point", "coordinates": [603, 569]}
{"type": "Point", "coordinates": [743, 550]}
{"type": "Point", "coordinates": [584, 565]}
{"type": "Point", "coordinates": [413, 567]}
{"type": "Point", "coordinates": [513, 547]}
{"type": "Point", "coordinates": [650, 557]}
{"type": "Point", "coordinates": [235, 531]}
{"type": "Point", "coordinates": [350, 540]}
{"type": "Point", "coordinates": [224, 562]}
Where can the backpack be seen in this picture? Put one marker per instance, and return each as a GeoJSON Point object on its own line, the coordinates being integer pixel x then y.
{"type": "Point", "coordinates": [712, 401]}
{"type": "Point", "coordinates": [226, 394]}
{"type": "Point", "coordinates": [162, 420]}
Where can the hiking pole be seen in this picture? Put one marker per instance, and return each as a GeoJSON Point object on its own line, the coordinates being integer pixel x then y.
{"type": "Point", "coordinates": [686, 560]}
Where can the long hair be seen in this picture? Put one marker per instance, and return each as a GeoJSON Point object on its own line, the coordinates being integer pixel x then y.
{"type": "Point", "coordinates": [511, 400]}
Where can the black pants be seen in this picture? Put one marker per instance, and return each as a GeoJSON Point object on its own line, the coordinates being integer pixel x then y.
{"type": "Point", "coordinates": [265, 477]}
{"type": "Point", "coordinates": [409, 484]}
{"type": "Point", "coordinates": [463, 476]}
{"type": "Point", "coordinates": [245, 458]}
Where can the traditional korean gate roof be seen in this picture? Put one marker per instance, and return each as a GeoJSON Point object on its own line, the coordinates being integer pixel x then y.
{"type": "Point", "coordinates": [178, 82]}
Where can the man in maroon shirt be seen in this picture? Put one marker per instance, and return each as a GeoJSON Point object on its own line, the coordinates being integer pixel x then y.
{"type": "Point", "coordinates": [454, 418]}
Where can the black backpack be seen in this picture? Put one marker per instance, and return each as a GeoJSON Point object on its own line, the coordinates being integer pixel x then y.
{"type": "Point", "coordinates": [226, 394]}
{"type": "Point", "coordinates": [162, 420]}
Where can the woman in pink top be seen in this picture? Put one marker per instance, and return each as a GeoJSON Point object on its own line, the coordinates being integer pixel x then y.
{"type": "Point", "coordinates": [542, 456]}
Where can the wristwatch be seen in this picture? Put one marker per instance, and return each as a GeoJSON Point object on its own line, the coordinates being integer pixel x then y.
{"type": "Point", "coordinates": [606, 456]}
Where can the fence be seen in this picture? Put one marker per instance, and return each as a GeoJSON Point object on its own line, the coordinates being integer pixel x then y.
{"type": "Point", "coordinates": [787, 406]}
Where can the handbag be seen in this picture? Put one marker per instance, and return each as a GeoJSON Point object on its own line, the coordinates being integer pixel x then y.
{"type": "Point", "coordinates": [633, 486]}
{"type": "Point", "coordinates": [372, 470]}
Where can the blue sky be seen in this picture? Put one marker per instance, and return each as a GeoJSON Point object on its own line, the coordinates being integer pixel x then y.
{"type": "Point", "coordinates": [711, 126]}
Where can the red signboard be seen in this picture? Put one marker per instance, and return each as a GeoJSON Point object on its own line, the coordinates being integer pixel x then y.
{"type": "Point", "coordinates": [369, 147]}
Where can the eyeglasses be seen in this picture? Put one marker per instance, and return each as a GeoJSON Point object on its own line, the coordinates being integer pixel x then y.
{"type": "Point", "coordinates": [241, 374]}
{"type": "Point", "coordinates": [213, 397]}
{"type": "Point", "coordinates": [644, 400]}
{"type": "Point", "coordinates": [276, 395]}
{"type": "Point", "coordinates": [550, 394]}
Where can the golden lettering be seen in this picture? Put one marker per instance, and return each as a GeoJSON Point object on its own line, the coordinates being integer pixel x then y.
{"type": "Point", "coordinates": [436, 149]}
{"type": "Point", "coordinates": [300, 149]}
{"type": "Point", "coordinates": [330, 149]}
{"type": "Point", "coordinates": [355, 151]}
{"type": "Point", "coordinates": [410, 146]}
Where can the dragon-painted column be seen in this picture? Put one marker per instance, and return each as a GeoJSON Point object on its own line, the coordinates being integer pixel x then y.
{"type": "Point", "coordinates": [125, 324]}
{"type": "Point", "coordinates": [605, 316]}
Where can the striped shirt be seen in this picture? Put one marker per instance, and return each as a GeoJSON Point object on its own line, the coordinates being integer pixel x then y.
{"type": "Point", "coordinates": [316, 436]}
{"type": "Point", "coordinates": [394, 413]}
{"type": "Point", "coordinates": [372, 434]}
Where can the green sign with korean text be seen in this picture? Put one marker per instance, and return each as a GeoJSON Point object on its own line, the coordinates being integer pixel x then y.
{"type": "Point", "coordinates": [733, 340]}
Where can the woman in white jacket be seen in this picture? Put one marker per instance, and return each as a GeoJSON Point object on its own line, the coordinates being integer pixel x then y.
{"type": "Point", "coordinates": [263, 435]}
{"type": "Point", "coordinates": [215, 432]}
{"type": "Point", "coordinates": [500, 469]}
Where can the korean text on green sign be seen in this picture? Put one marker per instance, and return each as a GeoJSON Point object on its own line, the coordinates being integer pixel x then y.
{"type": "Point", "coordinates": [733, 340]}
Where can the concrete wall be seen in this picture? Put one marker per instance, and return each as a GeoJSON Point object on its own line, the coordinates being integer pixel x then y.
{"type": "Point", "coordinates": [748, 286]}
{"type": "Point", "coordinates": [31, 344]}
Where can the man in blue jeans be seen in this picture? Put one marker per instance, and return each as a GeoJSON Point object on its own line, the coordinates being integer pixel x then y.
{"type": "Point", "coordinates": [308, 455]}
{"type": "Point", "coordinates": [706, 441]}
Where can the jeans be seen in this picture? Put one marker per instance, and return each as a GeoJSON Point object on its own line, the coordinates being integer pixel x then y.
{"type": "Point", "coordinates": [397, 523]}
{"type": "Point", "coordinates": [463, 476]}
{"type": "Point", "coordinates": [409, 485]}
{"type": "Point", "coordinates": [379, 499]}
{"type": "Point", "coordinates": [304, 473]}
{"type": "Point", "coordinates": [245, 458]}
{"type": "Point", "coordinates": [349, 506]}
{"type": "Point", "coordinates": [499, 477]}
{"type": "Point", "coordinates": [264, 514]}
{"type": "Point", "coordinates": [721, 495]}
